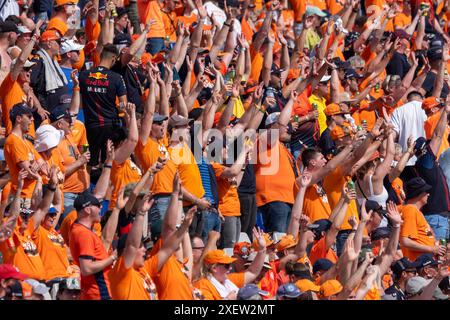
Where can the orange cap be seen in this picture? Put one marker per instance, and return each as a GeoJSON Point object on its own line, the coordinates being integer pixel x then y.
{"type": "Point", "coordinates": [429, 103]}
{"type": "Point", "coordinates": [63, 2]}
{"type": "Point", "coordinates": [333, 109]}
{"type": "Point", "coordinates": [330, 287]}
{"type": "Point", "coordinates": [340, 132]}
{"type": "Point", "coordinates": [286, 242]}
{"type": "Point", "coordinates": [218, 256]}
{"type": "Point", "coordinates": [268, 239]}
{"type": "Point", "coordinates": [58, 25]}
{"type": "Point", "coordinates": [242, 249]}
{"type": "Point", "coordinates": [293, 74]}
{"type": "Point", "coordinates": [146, 58]}
{"type": "Point", "coordinates": [50, 35]}
{"type": "Point", "coordinates": [307, 285]}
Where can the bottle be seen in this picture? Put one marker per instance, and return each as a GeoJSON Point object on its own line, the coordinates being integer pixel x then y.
{"type": "Point", "coordinates": [314, 105]}
{"type": "Point", "coordinates": [114, 12]}
{"type": "Point", "coordinates": [296, 118]}
{"type": "Point", "coordinates": [443, 242]}
{"type": "Point", "coordinates": [359, 128]}
{"type": "Point", "coordinates": [377, 87]}
{"type": "Point", "coordinates": [351, 185]}
{"type": "Point", "coordinates": [85, 147]}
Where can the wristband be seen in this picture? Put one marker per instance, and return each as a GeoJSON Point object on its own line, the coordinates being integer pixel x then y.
{"type": "Point", "coordinates": [77, 88]}
{"type": "Point", "coordinates": [228, 25]}
{"type": "Point", "coordinates": [107, 166]}
{"type": "Point", "coordinates": [50, 188]}
{"type": "Point", "coordinates": [140, 213]}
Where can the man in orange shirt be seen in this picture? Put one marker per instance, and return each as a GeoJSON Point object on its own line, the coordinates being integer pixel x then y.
{"type": "Point", "coordinates": [416, 237]}
{"type": "Point", "coordinates": [88, 250]}
{"type": "Point", "coordinates": [63, 10]}
{"type": "Point", "coordinates": [432, 108]}
{"type": "Point", "coordinates": [21, 154]}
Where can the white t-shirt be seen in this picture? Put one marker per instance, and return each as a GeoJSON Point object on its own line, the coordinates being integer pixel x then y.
{"type": "Point", "coordinates": [408, 120]}
{"type": "Point", "coordinates": [10, 8]}
{"type": "Point", "coordinates": [219, 15]}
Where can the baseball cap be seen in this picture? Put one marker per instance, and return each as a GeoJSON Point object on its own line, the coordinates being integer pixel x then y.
{"type": "Point", "coordinates": [415, 187]}
{"type": "Point", "coordinates": [39, 288]}
{"type": "Point", "coordinates": [218, 256]}
{"type": "Point", "coordinates": [23, 30]}
{"type": "Point", "coordinates": [272, 118]}
{"type": "Point", "coordinates": [322, 265]}
{"type": "Point", "coordinates": [178, 121]}
{"type": "Point", "coordinates": [27, 64]}
{"type": "Point", "coordinates": [380, 233]}
{"type": "Point", "coordinates": [420, 144]}
{"type": "Point", "coordinates": [325, 78]}
{"type": "Point", "coordinates": [252, 257]}
{"type": "Point", "coordinates": [320, 225]}
{"type": "Point", "coordinates": [59, 3]}
{"type": "Point", "coordinates": [312, 10]}
{"type": "Point", "coordinates": [351, 73]}
{"type": "Point", "coordinates": [52, 211]}
{"type": "Point", "coordinates": [286, 242]}
{"type": "Point", "coordinates": [70, 45]}
{"type": "Point", "coordinates": [430, 102]}
{"type": "Point", "coordinates": [426, 260]}
{"type": "Point", "coordinates": [403, 265]}
{"type": "Point", "coordinates": [19, 110]}
{"type": "Point", "coordinates": [307, 285]}
{"type": "Point", "coordinates": [375, 207]}
{"type": "Point", "coordinates": [242, 249]}
{"type": "Point", "coordinates": [333, 109]}
{"type": "Point", "coordinates": [250, 290]}
{"type": "Point", "coordinates": [47, 137]}
{"type": "Point", "coordinates": [70, 284]}
{"type": "Point", "coordinates": [159, 118]}
{"type": "Point", "coordinates": [345, 97]}
{"type": "Point", "coordinates": [50, 35]}
{"type": "Point", "coordinates": [288, 290]}
{"type": "Point", "coordinates": [330, 287]}
{"type": "Point", "coordinates": [59, 112]}
{"type": "Point", "coordinates": [8, 271]}
{"type": "Point", "coordinates": [84, 200]}
{"type": "Point", "coordinates": [415, 286]}
{"type": "Point", "coordinates": [8, 26]}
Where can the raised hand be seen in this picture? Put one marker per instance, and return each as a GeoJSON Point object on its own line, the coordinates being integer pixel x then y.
{"type": "Point", "coordinates": [177, 183]}
{"type": "Point", "coordinates": [110, 154]}
{"type": "Point", "coordinates": [74, 77]}
{"type": "Point", "coordinates": [121, 200]}
{"type": "Point", "coordinates": [23, 174]}
{"type": "Point", "coordinates": [258, 234]}
{"type": "Point", "coordinates": [305, 179]}
{"type": "Point", "coordinates": [147, 203]}
{"type": "Point", "coordinates": [189, 216]}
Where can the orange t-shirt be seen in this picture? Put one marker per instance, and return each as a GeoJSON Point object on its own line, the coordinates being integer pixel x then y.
{"type": "Point", "coordinates": [67, 223]}
{"type": "Point", "coordinates": [256, 67]}
{"type": "Point", "coordinates": [229, 204]}
{"type": "Point", "coordinates": [148, 155]}
{"type": "Point", "coordinates": [19, 150]}
{"type": "Point", "coordinates": [78, 133]}
{"type": "Point", "coordinates": [172, 281]}
{"type": "Point", "coordinates": [188, 169]}
{"type": "Point", "coordinates": [319, 251]}
{"type": "Point", "coordinates": [131, 284]}
{"type": "Point", "coordinates": [210, 292]}
{"type": "Point", "coordinates": [85, 244]}
{"type": "Point", "coordinates": [275, 177]}
{"type": "Point", "coordinates": [5, 192]}
{"type": "Point", "coordinates": [334, 7]}
{"type": "Point", "coordinates": [21, 251]}
{"type": "Point", "coordinates": [121, 175]}
{"type": "Point", "coordinates": [11, 93]}
{"type": "Point", "coordinates": [401, 20]}
{"type": "Point", "coordinates": [78, 181]}
{"type": "Point", "coordinates": [333, 184]}
{"type": "Point", "coordinates": [316, 205]}
{"type": "Point", "coordinates": [299, 7]}
{"type": "Point", "coordinates": [153, 11]}
{"type": "Point", "coordinates": [416, 228]}
{"type": "Point", "coordinates": [187, 20]}
{"type": "Point", "coordinates": [53, 252]}
{"type": "Point", "coordinates": [429, 126]}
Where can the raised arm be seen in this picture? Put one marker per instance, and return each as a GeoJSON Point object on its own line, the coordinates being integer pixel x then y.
{"type": "Point", "coordinates": [103, 182]}
{"type": "Point", "coordinates": [439, 131]}
{"type": "Point", "coordinates": [268, 60]}
{"type": "Point", "coordinates": [339, 215]}
{"type": "Point", "coordinates": [294, 224]}
{"type": "Point", "coordinates": [17, 67]}
{"type": "Point", "coordinates": [43, 207]}
{"type": "Point", "coordinates": [255, 268]}
{"type": "Point", "coordinates": [172, 216]}
{"type": "Point", "coordinates": [126, 149]}
{"type": "Point", "coordinates": [109, 230]}
{"type": "Point", "coordinates": [149, 111]}
{"type": "Point", "coordinates": [134, 237]}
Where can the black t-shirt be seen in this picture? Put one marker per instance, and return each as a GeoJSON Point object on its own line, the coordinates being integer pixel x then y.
{"type": "Point", "coordinates": [135, 82]}
{"type": "Point", "coordinates": [248, 182]}
{"type": "Point", "coordinates": [396, 292]}
{"type": "Point", "coordinates": [48, 99]}
{"type": "Point", "coordinates": [305, 136]}
{"type": "Point", "coordinates": [429, 170]}
{"type": "Point", "coordinates": [428, 85]}
{"type": "Point", "coordinates": [99, 88]}
{"type": "Point", "coordinates": [398, 65]}
{"type": "Point", "coordinates": [326, 144]}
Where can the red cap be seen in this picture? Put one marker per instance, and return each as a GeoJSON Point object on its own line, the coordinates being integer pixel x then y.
{"type": "Point", "coordinates": [8, 271]}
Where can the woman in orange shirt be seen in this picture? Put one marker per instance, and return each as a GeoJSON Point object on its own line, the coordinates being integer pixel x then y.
{"type": "Point", "coordinates": [218, 283]}
{"type": "Point", "coordinates": [228, 180]}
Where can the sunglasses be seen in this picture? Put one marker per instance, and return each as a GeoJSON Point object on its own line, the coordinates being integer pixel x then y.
{"type": "Point", "coordinates": [226, 266]}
